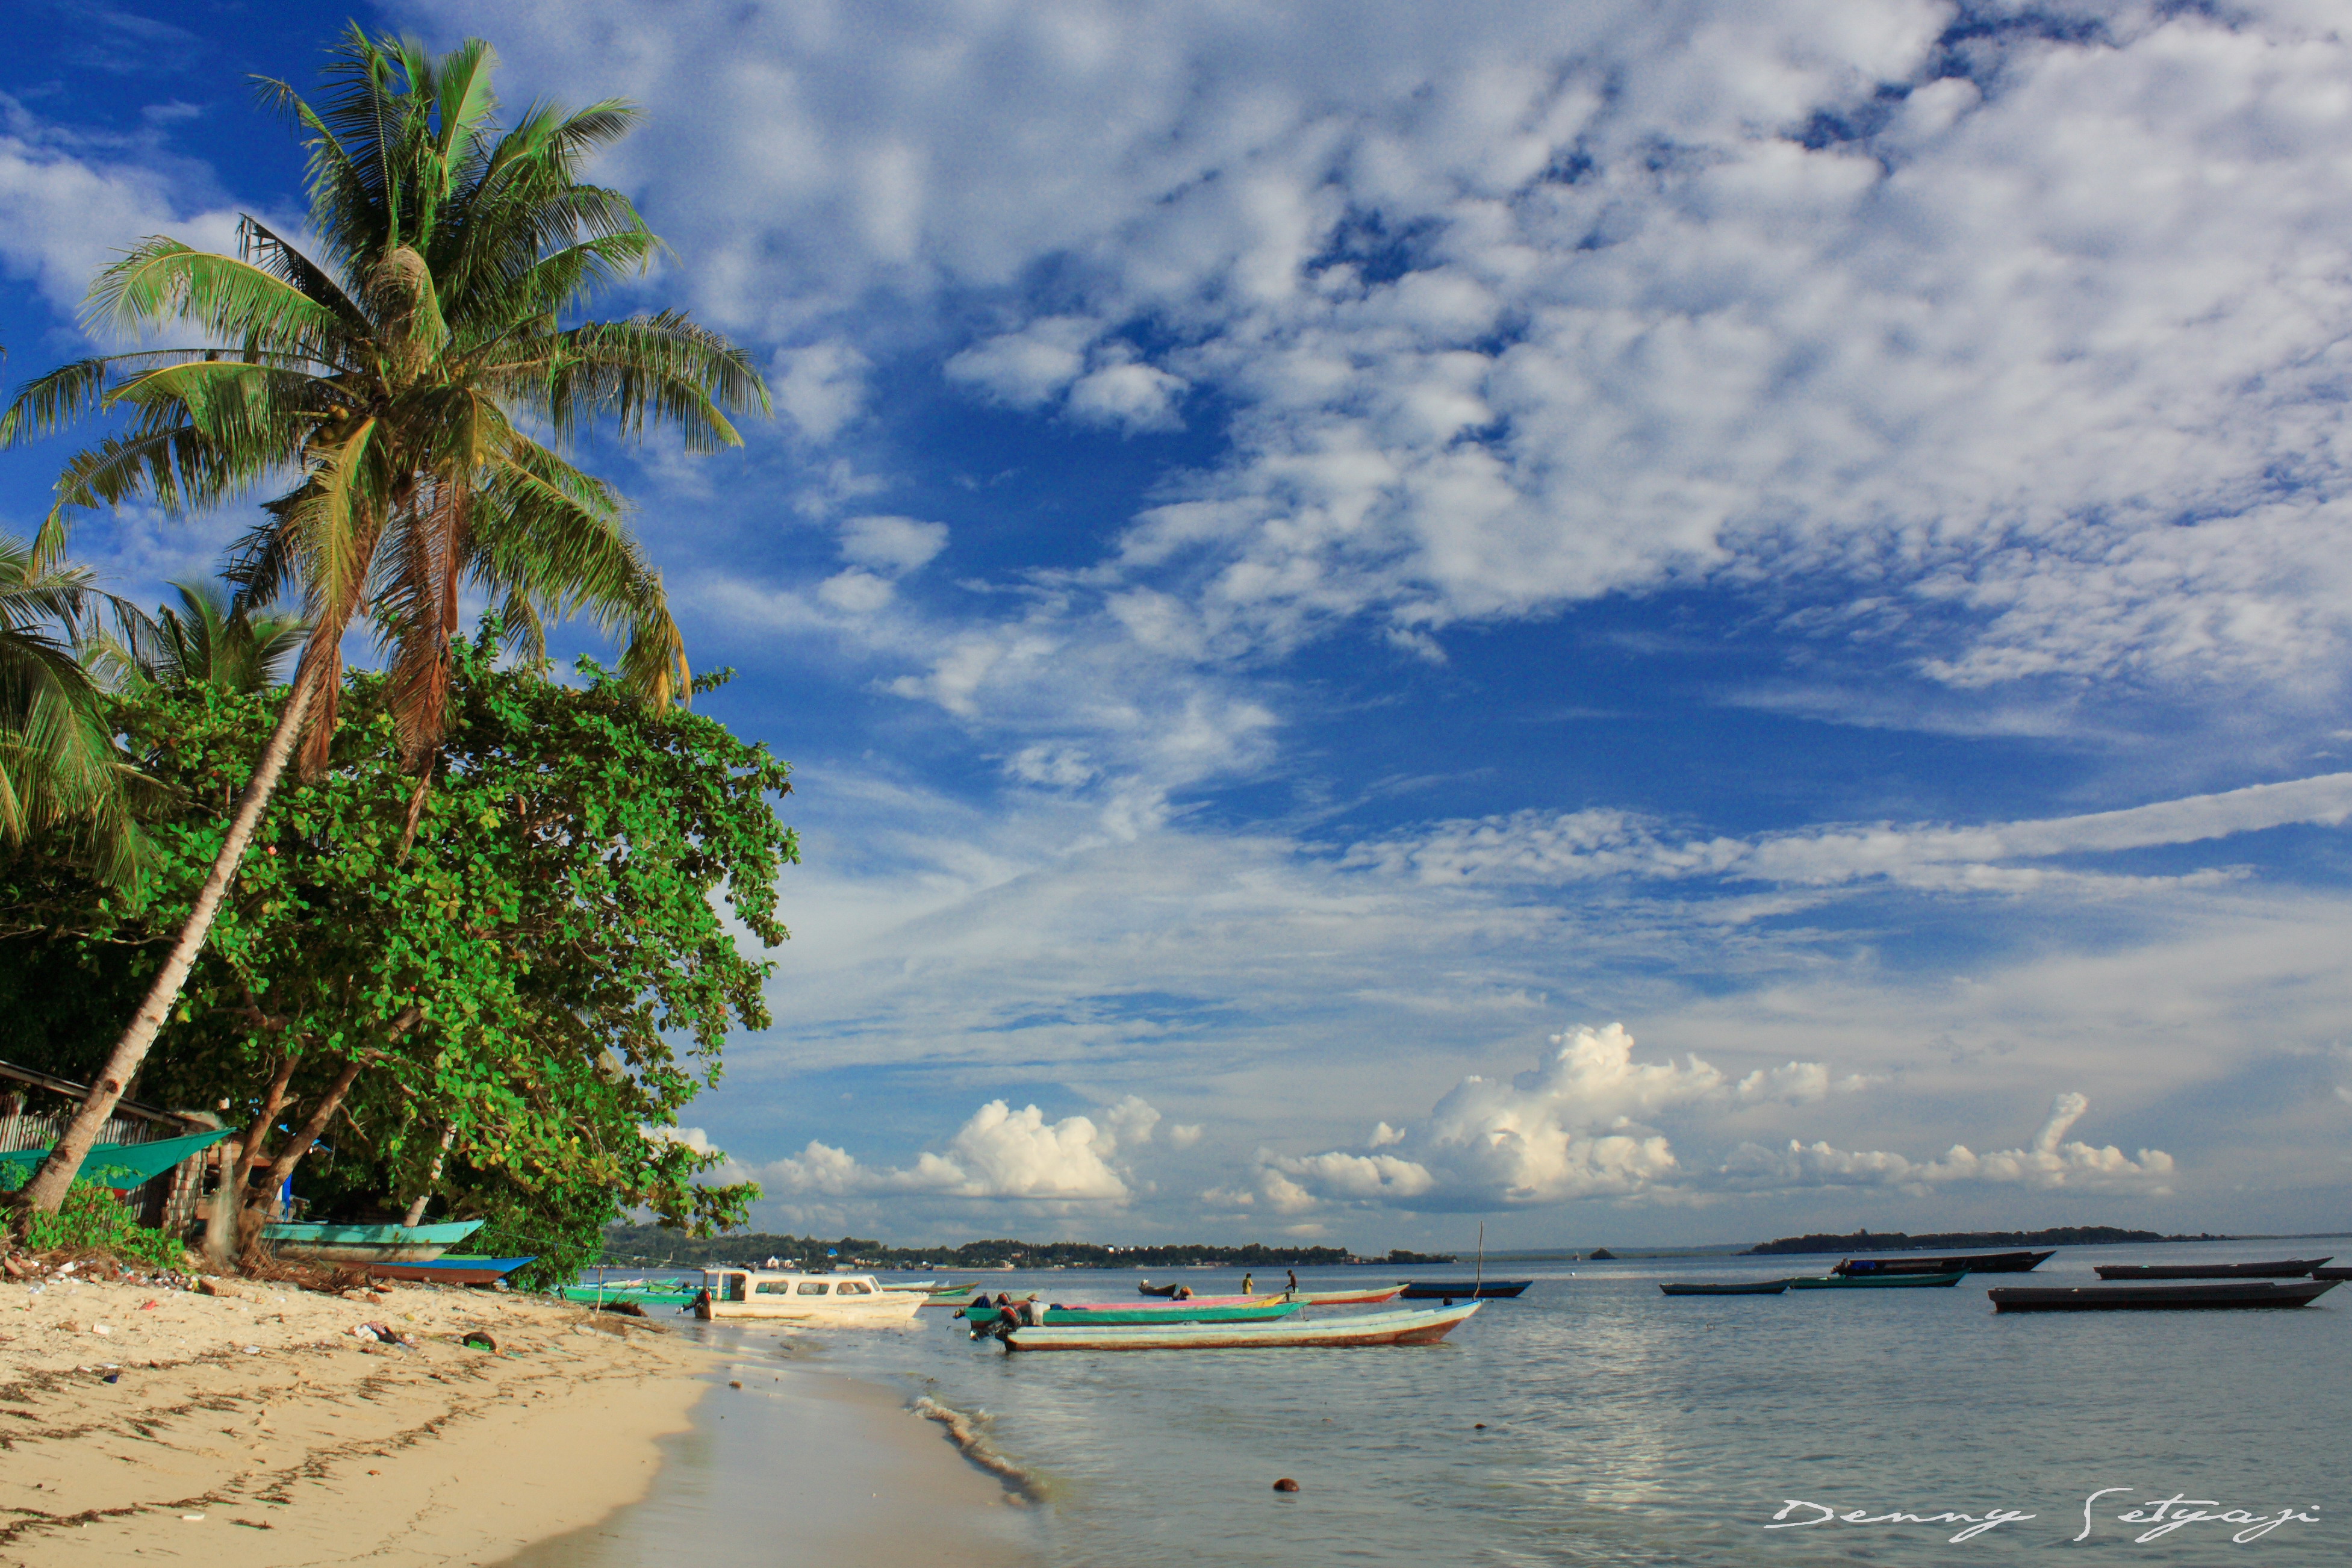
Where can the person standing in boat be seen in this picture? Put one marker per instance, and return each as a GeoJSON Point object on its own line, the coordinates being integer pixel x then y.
{"type": "Point", "coordinates": [1292, 1288]}
{"type": "Point", "coordinates": [1249, 1284]}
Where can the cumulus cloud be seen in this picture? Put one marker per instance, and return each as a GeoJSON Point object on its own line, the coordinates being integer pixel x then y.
{"type": "Point", "coordinates": [998, 1153]}
{"type": "Point", "coordinates": [2049, 1162]}
{"type": "Point", "coordinates": [1574, 1127]}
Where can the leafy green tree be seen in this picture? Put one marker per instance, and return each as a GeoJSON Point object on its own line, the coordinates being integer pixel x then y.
{"type": "Point", "coordinates": [534, 987]}
{"type": "Point", "coordinates": [210, 638]}
{"type": "Point", "coordinates": [400, 376]}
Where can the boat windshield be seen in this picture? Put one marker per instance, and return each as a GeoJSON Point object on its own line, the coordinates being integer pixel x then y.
{"type": "Point", "coordinates": [851, 1287]}
{"type": "Point", "coordinates": [810, 1288]}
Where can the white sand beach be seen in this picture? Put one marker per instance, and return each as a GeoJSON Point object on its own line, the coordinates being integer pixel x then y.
{"type": "Point", "coordinates": [255, 1429]}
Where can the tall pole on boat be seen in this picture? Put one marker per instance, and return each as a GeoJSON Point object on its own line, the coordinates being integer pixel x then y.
{"type": "Point", "coordinates": [1479, 1278]}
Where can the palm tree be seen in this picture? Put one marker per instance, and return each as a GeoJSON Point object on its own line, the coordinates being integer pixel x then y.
{"type": "Point", "coordinates": [398, 380]}
{"type": "Point", "coordinates": [59, 767]}
{"type": "Point", "coordinates": [210, 639]}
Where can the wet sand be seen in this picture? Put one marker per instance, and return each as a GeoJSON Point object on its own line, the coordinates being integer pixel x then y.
{"type": "Point", "coordinates": [803, 1466]}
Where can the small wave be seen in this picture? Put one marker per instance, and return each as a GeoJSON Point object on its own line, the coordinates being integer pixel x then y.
{"type": "Point", "coordinates": [965, 1433]}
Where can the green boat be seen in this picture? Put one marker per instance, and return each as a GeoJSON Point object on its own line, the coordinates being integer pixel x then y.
{"type": "Point", "coordinates": [1059, 1317]}
{"type": "Point", "coordinates": [1875, 1281]}
{"type": "Point", "coordinates": [367, 1243]}
{"type": "Point", "coordinates": [636, 1295]}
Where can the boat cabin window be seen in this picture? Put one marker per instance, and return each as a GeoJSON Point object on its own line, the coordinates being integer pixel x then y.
{"type": "Point", "coordinates": [773, 1288]}
{"type": "Point", "coordinates": [810, 1288]}
{"type": "Point", "coordinates": [735, 1284]}
{"type": "Point", "coordinates": [850, 1288]}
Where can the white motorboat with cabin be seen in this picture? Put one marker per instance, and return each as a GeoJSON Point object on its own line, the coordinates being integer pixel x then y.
{"type": "Point", "coordinates": [833, 1301]}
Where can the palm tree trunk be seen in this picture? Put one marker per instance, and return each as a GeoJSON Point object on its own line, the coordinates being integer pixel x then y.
{"type": "Point", "coordinates": [45, 1193]}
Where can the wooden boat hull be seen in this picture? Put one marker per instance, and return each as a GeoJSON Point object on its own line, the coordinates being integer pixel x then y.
{"type": "Point", "coordinates": [2279, 1268]}
{"type": "Point", "coordinates": [2331, 1274]}
{"type": "Point", "coordinates": [448, 1271]}
{"type": "Point", "coordinates": [366, 1243]}
{"type": "Point", "coordinates": [1366, 1298]}
{"type": "Point", "coordinates": [1463, 1289]}
{"type": "Point", "coordinates": [1876, 1282]}
{"type": "Point", "coordinates": [1057, 1315]}
{"type": "Point", "coordinates": [1400, 1328]}
{"type": "Point", "coordinates": [1760, 1288]}
{"type": "Point", "coordinates": [1956, 1263]}
{"type": "Point", "coordinates": [2242, 1293]}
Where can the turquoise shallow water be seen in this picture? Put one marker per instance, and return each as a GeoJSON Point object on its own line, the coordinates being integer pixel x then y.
{"type": "Point", "coordinates": [1624, 1428]}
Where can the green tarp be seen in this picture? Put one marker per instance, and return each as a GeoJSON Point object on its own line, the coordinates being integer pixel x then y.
{"type": "Point", "coordinates": [126, 1165]}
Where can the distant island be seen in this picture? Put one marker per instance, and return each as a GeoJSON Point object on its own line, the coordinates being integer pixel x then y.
{"type": "Point", "coordinates": [650, 1245]}
{"type": "Point", "coordinates": [1896, 1241]}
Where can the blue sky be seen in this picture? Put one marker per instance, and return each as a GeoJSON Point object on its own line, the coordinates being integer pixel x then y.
{"type": "Point", "coordinates": [1656, 622]}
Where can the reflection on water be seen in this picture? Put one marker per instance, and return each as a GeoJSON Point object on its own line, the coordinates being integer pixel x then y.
{"type": "Point", "coordinates": [1621, 1427]}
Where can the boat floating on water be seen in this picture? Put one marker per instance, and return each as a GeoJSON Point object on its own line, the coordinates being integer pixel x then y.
{"type": "Point", "coordinates": [1463, 1289]}
{"type": "Point", "coordinates": [367, 1243]}
{"type": "Point", "coordinates": [832, 1300]}
{"type": "Point", "coordinates": [2331, 1274]}
{"type": "Point", "coordinates": [1952, 1263]}
{"type": "Point", "coordinates": [1056, 1314]}
{"type": "Point", "coordinates": [1410, 1327]}
{"type": "Point", "coordinates": [2255, 1293]}
{"type": "Point", "coordinates": [2279, 1268]}
{"type": "Point", "coordinates": [1751, 1287]}
{"type": "Point", "coordinates": [1874, 1281]}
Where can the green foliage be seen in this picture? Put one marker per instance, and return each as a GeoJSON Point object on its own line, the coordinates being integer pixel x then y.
{"type": "Point", "coordinates": [550, 968]}
{"type": "Point", "coordinates": [95, 1220]}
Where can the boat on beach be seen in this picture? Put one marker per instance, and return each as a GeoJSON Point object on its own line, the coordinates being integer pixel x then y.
{"type": "Point", "coordinates": [832, 1300]}
{"type": "Point", "coordinates": [639, 1294]}
{"type": "Point", "coordinates": [1874, 1281]}
{"type": "Point", "coordinates": [1953, 1263]}
{"type": "Point", "coordinates": [2278, 1268]}
{"type": "Point", "coordinates": [1056, 1314]}
{"type": "Point", "coordinates": [1411, 1327]}
{"type": "Point", "coordinates": [1463, 1289]}
{"type": "Point", "coordinates": [366, 1243]}
{"type": "Point", "coordinates": [2239, 1293]}
{"type": "Point", "coordinates": [1750, 1288]}
{"type": "Point", "coordinates": [449, 1269]}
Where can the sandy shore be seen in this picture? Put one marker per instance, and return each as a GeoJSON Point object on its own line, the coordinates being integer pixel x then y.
{"type": "Point", "coordinates": [255, 1429]}
{"type": "Point", "coordinates": [258, 1431]}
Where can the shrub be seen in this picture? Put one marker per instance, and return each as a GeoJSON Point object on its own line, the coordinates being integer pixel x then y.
{"type": "Point", "coordinates": [94, 1220]}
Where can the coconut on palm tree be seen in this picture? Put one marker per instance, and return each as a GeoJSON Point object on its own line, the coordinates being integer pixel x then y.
{"type": "Point", "coordinates": [414, 380]}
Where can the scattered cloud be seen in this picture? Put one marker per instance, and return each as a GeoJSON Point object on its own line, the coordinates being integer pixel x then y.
{"type": "Point", "coordinates": [999, 1153]}
{"type": "Point", "coordinates": [2048, 1162]}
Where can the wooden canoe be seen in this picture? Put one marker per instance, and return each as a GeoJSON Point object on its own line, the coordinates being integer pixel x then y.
{"type": "Point", "coordinates": [2253, 1293]}
{"type": "Point", "coordinates": [2278, 1268]}
{"type": "Point", "coordinates": [450, 1271]}
{"type": "Point", "coordinates": [1401, 1328]}
{"type": "Point", "coordinates": [367, 1243]}
{"type": "Point", "coordinates": [641, 1295]}
{"type": "Point", "coordinates": [1463, 1289]}
{"type": "Point", "coordinates": [1057, 1315]}
{"type": "Point", "coordinates": [1365, 1298]}
{"type": "Point", "coordinates": [2331, 1274]}
{"type": "Point", "coordinates": [1955, 1263]}
{"type": "Point", "coordinates": [1753, 1288]}
{"type": "Point", "coordinates": [1874, 1281]}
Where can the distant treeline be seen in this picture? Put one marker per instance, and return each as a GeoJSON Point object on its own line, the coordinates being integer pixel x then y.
{"type": "Point", "coordinates": [1895, 1241]}
{"type": "Point", "coordinates": [650, 1244]}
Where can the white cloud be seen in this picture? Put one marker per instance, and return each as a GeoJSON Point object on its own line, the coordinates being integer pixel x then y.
{"type": "Point", "coordinates": [999, 1153]}
{"type": "Point", "coordinates": [1522, 306]}
{"type": "Point", "coordinates": [854, 593]}
{"type": "Point", "coordinates": [1027, 367]}
{"type": "Point", "coordinates": [894, 544]}
{"type": "Point", "coordinates": [1184, 1134]}
{"type": "Point", "coordinates": [2048, 1163]}
{"type": "Point", "coordinates": [820, 387]}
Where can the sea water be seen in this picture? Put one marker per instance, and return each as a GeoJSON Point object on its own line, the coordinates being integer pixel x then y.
{"type": "Point", "coordinates": [1595, 1420]}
